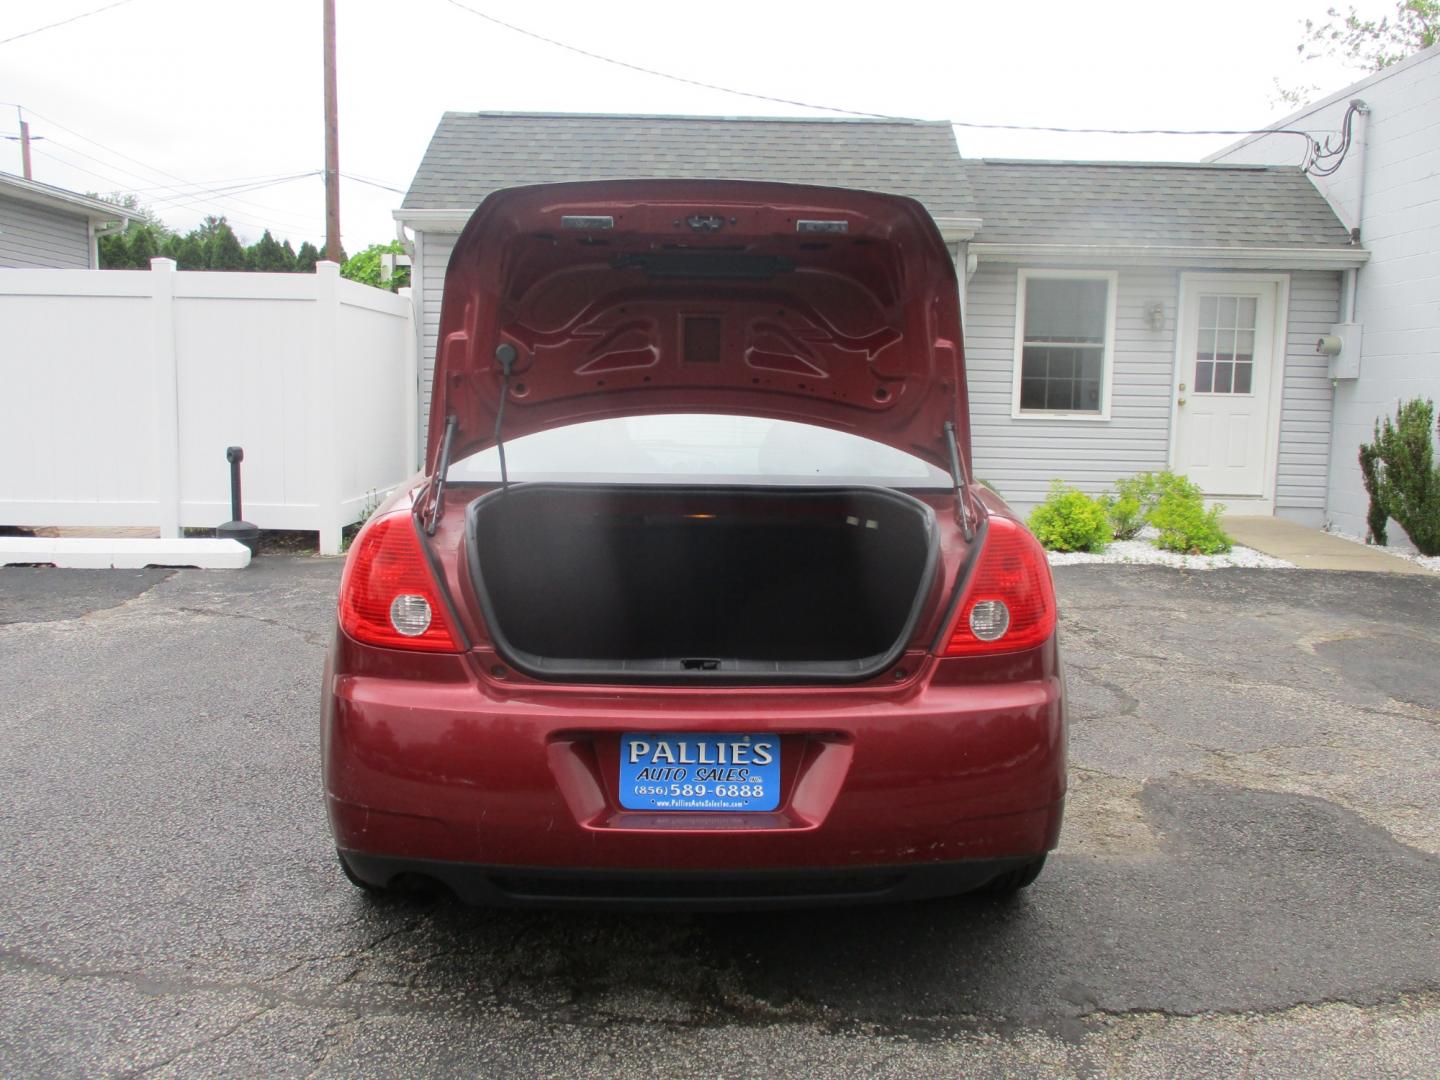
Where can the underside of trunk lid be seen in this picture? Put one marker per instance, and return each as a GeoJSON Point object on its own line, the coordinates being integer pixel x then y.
{"type": "Point", "coordinates": [614, 298]}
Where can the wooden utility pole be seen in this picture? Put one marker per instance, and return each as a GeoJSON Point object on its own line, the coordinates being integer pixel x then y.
{"type": "Point", "coordinates": [332, 142]}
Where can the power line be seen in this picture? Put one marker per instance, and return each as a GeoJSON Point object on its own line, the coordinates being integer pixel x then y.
{"type": "Point", "coordinates": [1313, 147]}
{"type": "Point", "coordinates": [206, 185]}
{"type": "Point", "coordinates": [251, 187]}
{"type": "Point", "coordinates": [120, 185]}
{"type": "Point", "coordinates": [161, 200]}
{"type": "Point", "coordinates": [269, 210]}
{"type": "Point", "coordinates": [372, 183]}
{"type": "Point", "coordinates": [664, 74]}
{"type": "Point", "coordinates": [65, 22]}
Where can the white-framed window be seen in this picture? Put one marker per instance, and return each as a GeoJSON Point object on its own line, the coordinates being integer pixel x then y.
{"type": "Point", "coordinates": [1064, 344]}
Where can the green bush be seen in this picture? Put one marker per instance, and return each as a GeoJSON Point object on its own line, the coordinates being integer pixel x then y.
{"type": "Point", "coordinates": [1070, 520]}
{"type": "Point", "coordinates": [364, 267]}
{"type": "Point", "coordinates": [1184, 523]}
{"type": "Point", "coordinates": [1136, 497]}
{"type": "Point", "coordinates": [1401, 477]}
{"type": "Point", "coordinates": [1130, 506]}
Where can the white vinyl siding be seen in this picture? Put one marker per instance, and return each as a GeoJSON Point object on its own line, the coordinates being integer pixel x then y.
{"type": "Point", "coordinates": [1020, 456]}
{"type": "Point", "coordinates": [1396, 302]}
{"type": "Point", "coordinates": [1307, 401]}
{"type": "Point", "coordinates": [39, 238]}
{"type": "Point", "coordinates": [433, 257]}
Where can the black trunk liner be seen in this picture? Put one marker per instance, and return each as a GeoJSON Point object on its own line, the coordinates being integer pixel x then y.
{"type": "Point", "coordinates": [630, 575]}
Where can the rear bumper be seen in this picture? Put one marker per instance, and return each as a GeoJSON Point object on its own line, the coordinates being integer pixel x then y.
{"type": "Point", "coordinates": [546, 887]}
{"type": "Point", "coordinates": [941, 778]}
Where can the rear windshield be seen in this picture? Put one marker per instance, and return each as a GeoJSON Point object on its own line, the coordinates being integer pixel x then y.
{"type": "Point", "coordinates": [698, 448]}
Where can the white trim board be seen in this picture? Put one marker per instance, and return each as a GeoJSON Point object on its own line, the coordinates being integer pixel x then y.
{"type": "Point", "coordinates": [1209, 258]}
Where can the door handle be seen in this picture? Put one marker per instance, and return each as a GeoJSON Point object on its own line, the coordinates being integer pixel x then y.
{"type": "Point", "coordinates": [1181, 401]}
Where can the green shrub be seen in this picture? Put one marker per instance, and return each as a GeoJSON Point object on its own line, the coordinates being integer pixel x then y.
{"type": "Point", "coordinates": [1377, 519]}
{"type": "Point", "coordinates": [1135, 498]}
{"type": "Point", "coordinates": [1131, 504]}
{"type": "Point", "coordinates": [1184, 523]}
{"type": "Point", "coordinates": [1401, 477]}
{"type": "Point", "coordinates": [1070, 520]}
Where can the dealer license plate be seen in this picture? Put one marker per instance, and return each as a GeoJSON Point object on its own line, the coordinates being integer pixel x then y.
{"type": "Point", "coordinates": [699, 772]}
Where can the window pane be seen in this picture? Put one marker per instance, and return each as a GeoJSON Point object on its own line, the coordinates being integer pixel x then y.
{"type": "Point", "coordinates": [700, 449]}
{"type": "Point", "coordinates": [1035, 362]}
{"type": "Point", "coordinates": [1207, 311]}
{"type": "Point", "coordinates": [1225, 314]}
{"type": "Point", "coordinates": [1204, 376]}
{"type": "Point", "coordinates": [1060, 395]}
{"type": "Point", "coordinates": [1245, 345]}
{"type": "Point", "coordinates": [1222, 378]}
{"type": "Point", "coordinates": [1242, 378]}
{"type": "Point", "coordinates": [1061, 309]}
{"type": "Point", "coordinates": [1247, 313]}
{"type": "Point", "coordinates": [1225, 347]}
{"type": "Point", "coordinates": [1061, 378]}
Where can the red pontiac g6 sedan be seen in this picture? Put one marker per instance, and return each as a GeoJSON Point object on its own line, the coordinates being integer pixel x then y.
{"type": "Point", "coordinates": [697, 601]}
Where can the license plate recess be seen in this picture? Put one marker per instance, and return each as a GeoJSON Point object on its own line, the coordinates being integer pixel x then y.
{"type": "Point", "coordinates": [705, 773]}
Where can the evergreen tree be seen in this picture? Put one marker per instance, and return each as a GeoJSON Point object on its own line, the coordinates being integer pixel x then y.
{"type": "Point", "coordinates": [144, 245]}
{"type": "Point", "coordinates": [114, 252]}
{"type": "Point", "coordinates": [188, 251]}
{"type": "Point", "coordinates": [307, 258]}
{"type": "Point", "coordinates": [223, 250]}
{"type": "Point", "coordinates": [267, 256]}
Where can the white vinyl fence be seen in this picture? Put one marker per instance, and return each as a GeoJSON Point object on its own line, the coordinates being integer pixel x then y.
{"type": "Point", "coordinates": [121, 389]}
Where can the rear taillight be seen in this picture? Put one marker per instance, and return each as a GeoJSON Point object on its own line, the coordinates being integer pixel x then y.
{"type": "Point", "coordinates": [1009, 601]}
{"type": "Point", "coordinates": [388, 594]}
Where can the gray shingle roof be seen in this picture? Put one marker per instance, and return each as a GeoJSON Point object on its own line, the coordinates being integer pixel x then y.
{"type": "Point", "coordinates": [473, 154]}
{"type": "Point", "coordinates": [1123, 204]}
{"type": "Point", "coordinates": [1130, 203]}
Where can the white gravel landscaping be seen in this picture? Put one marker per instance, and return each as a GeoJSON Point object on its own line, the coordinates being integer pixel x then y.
{"type": "Point", "coordinates": [1430, 562]}
{"type": "Point", "coordinates": [1141, 552]}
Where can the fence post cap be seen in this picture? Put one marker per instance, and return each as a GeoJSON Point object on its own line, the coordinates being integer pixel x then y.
{"type": "Point", "coordinates": [325, 266]}
{"type": "Point", "coordinates": [160, 262]}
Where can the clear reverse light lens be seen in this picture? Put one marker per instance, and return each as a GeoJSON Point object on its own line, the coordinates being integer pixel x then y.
{"type": "Point", "coordinates": [989, 619]}
{"type": "Point", "coordinates": [410, 614]}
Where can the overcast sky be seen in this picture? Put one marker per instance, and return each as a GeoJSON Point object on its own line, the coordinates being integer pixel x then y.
{"type": "Point", "coordinates": [161, 97]}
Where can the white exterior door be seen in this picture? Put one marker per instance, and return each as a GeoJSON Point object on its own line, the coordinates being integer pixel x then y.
{"type": "Point", "coordinates": [1226, 392]}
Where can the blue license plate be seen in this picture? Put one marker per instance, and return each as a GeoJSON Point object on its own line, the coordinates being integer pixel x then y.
{"type": "Point", "coordinates": [707, 773]}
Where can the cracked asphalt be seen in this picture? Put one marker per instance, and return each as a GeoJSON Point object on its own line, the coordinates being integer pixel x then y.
{"type": "Point", "coordinates": [1247, 884]}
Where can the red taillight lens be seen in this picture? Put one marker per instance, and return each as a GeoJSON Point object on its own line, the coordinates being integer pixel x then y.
{"type": "Point", "coordinates": [1010, 601]}
{"type": "Point", "coordinates": [388, 595]}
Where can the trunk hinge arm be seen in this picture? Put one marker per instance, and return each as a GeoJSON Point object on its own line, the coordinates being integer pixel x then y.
{"type": "Point", "coordinates": [505, 355]}
{"type": "Point", "coordinates": [442, 467]}
{"type": "Point", "coordinates": [962, 503]}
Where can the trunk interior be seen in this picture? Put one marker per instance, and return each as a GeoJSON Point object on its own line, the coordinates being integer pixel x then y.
{"type": "Point", "coordinates": [680, 584]}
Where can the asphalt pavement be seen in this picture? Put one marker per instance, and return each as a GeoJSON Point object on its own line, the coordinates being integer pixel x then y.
{"type": "Point", "coordinates": [1247, 883]}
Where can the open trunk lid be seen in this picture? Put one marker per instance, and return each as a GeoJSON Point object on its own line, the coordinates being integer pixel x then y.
{"type": "Point", "coordinates": [819, 305]}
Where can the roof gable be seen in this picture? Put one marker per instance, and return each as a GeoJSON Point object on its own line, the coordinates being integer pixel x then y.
{"type": "Point", "coordinates": [473, 154]}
